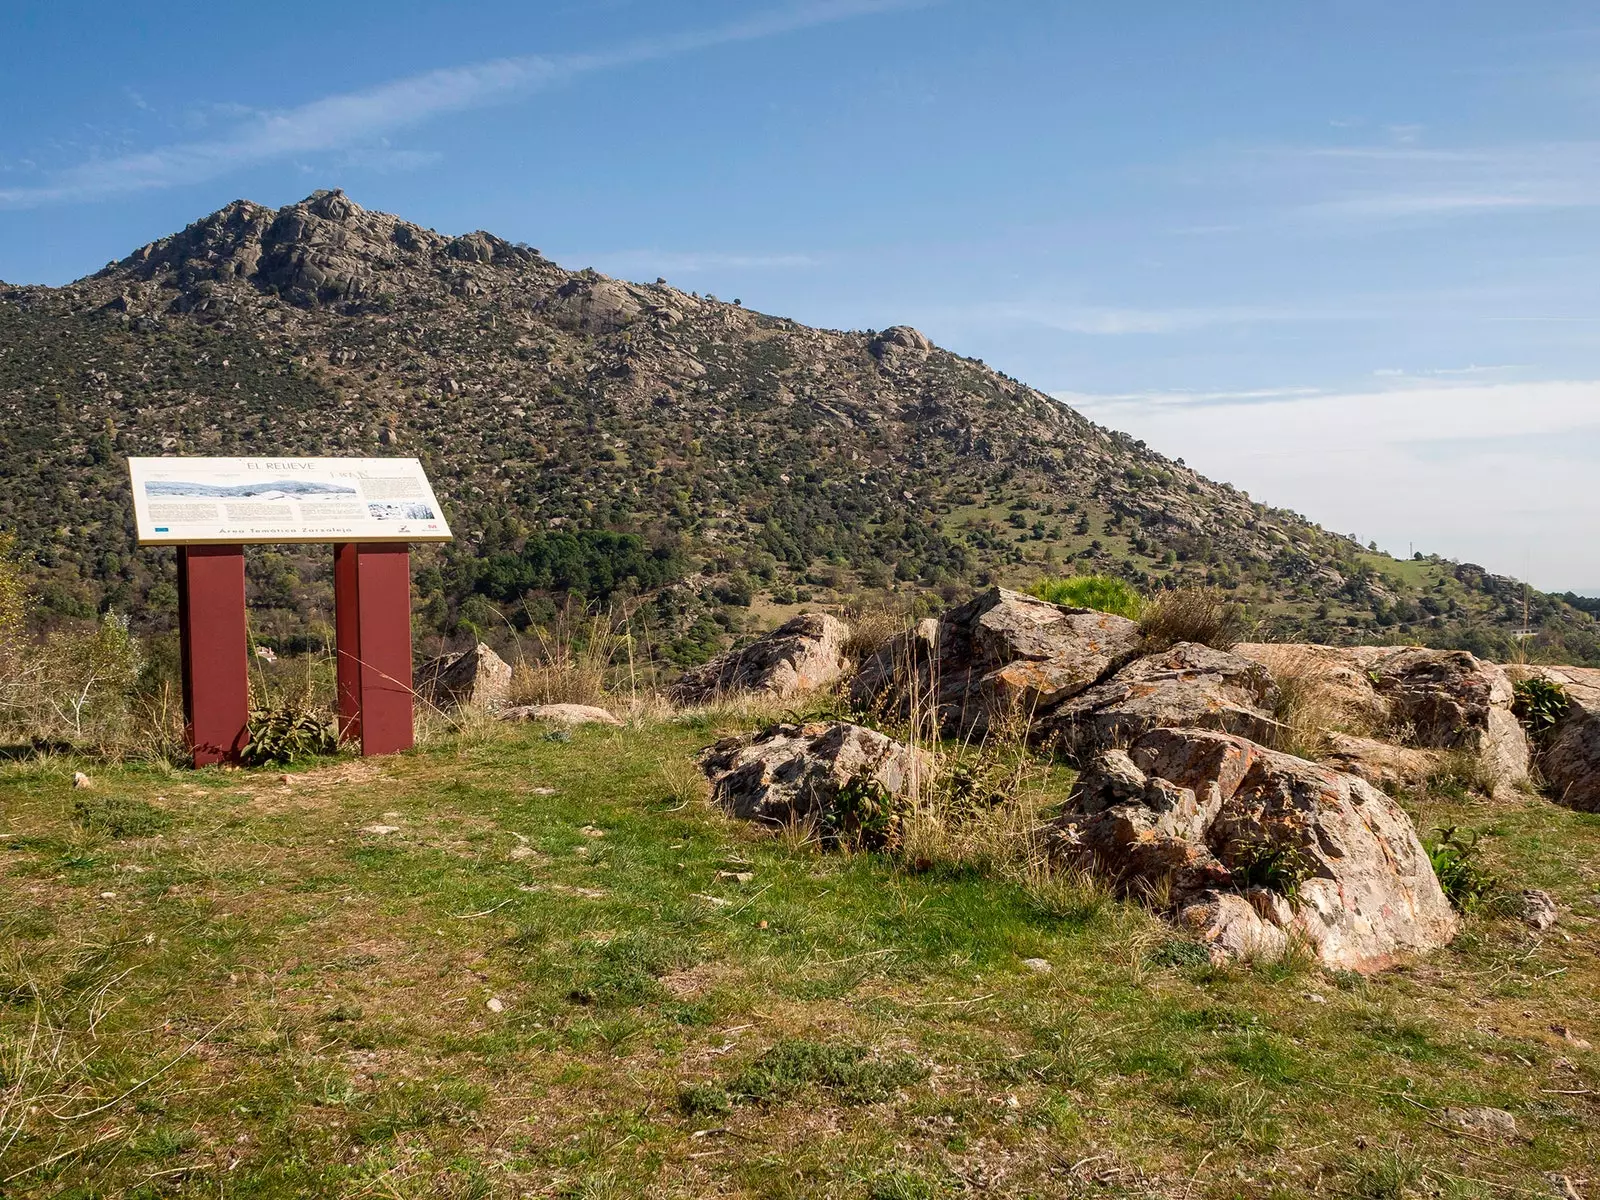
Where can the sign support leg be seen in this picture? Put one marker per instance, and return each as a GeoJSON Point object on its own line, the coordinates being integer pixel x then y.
{"type": "Point", "coordinates": [347, 639]}
{"type": "Point", "coordinates": [215, 651]}
{"type": "Point", "coordinates": [372, 621]}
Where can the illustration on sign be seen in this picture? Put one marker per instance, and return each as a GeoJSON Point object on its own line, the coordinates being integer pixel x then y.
{"type": "Point", "coordinates": [192, 501]}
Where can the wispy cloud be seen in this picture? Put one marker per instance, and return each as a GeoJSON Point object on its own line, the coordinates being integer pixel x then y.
{"type": "Point", "coordinates": [1097, 403]}
{"type": "Point", "coordinates": [1115, 321]}
{"type": "Point", "coordinates": [1430, 463]}
{"type": "Point", "coordinates": [354, 119]}
{"type": "Point", "coordinates": [1408, 182]}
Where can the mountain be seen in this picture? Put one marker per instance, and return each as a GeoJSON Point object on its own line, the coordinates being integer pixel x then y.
{"type": "Point", "coordinates": [706, 465]}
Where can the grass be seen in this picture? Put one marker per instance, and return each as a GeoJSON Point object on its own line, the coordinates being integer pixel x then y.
{"type": "Point", "coordinates": [1104, 593]}
{"type": "Point", "coordinates": [215, 982]}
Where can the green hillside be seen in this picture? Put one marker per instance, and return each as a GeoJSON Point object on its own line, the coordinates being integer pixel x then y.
{"type": "Point", "coordinates": [701, 465]}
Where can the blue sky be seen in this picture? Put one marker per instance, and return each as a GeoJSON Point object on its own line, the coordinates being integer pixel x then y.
{"type": "Point", "coordinates": [1343, 255]}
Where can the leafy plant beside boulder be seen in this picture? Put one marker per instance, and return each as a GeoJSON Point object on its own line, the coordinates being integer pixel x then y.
{"type": "Point", "coordinates": [865, 814]}
{"type": "Point", "coordinates": [1540, 704]}
{"type": "Point", "coordinates": [1467, 883]}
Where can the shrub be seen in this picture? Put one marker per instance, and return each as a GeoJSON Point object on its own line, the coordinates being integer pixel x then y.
{"type": "Point", "coordinates": [865, 814]}
{"type": "Point", "coordinates": [1276, 866]}
{"type": "Point", "coordinates": [1539, 704]}
{"type": "Point", "coordinates": [1104, 593]}
{"type": "Point", "coordinates": [1202, 615]}
{"type": "Point", "coordinates": [77, 687]}
{"type": "Point", "coordinates": [1467, 883]}
{"type": "Point", "coordinates": [288, 733]}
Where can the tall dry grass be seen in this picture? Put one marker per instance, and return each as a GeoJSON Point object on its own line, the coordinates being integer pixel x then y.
{"type": "Point", "coordinates": [573, 659]}
{"type": "Point", "coordinates": [984, 803]}
{"type": "Point", "coordinates": [1196, 614]}
{"type": "Point", "coordinates": [871, 628]}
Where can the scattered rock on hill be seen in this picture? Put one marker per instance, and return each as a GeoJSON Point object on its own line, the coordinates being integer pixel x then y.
{"type": "Point", "coordinates": [1569, 756]}
{"type": "Point", "coordinates": [790, 774]}
{"type": "Point", "coordinates": [1492, 1123]}
{"type": "Point", "coordinates": [1186, 686]}
{"type": "Point", "coordinates": [561, 714]}
{"type": "Point", "coordinates": [999, 653]}
{"type": "Point", "coordinates": [475, 678]}
{"type": "Point", "coordinates": [801, 655]}
{"type": "Point", "coordinates": [1256, 845]}
{"type": "Point", "coordinates": [1538, 909]}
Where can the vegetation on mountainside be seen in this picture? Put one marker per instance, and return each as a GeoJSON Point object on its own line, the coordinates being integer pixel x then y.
{"type": "Point", "coordinates": [699, 466]}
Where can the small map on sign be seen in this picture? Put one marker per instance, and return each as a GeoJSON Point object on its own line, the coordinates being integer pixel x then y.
{"type": "Point", "coordinates": [192, 501]}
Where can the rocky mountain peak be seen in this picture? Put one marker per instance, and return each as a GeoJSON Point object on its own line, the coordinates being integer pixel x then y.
{"type": "Point", "coordinates": [325, 249]}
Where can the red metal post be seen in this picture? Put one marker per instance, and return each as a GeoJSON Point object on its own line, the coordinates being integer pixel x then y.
{"type": "Point", "coordinates": [372, 621]}
{"type": "Point", "coordinates": [347, 639]}
{"type": "Point", "coordinates": [215, 651]}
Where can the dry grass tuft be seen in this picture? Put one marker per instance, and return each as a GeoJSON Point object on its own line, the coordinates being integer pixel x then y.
{"type": "Point", "coordinates": [871, 629]}
{"type": "Point", "coordinates": [1202, 615]}
{"type": "Point", "coordinates": [570, 662]}
{"type": "Point", "coordinates": [1308, 707]}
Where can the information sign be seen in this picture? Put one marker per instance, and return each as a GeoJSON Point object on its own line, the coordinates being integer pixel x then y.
{"type": "Point", "coordinates": [229, 501]}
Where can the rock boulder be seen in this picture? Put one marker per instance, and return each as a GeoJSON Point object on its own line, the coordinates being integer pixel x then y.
{"type": "Point", "coordinates": [792, 774]}
{"type": "Point", "coordinates": [802, 655]}
{"type": "Point", "coordinates": [475, 678]}
{"type": "Point", "coordinates": [562, 714]}
{"type": "Point", "coordinates": [1186, 686]}
{"type": "Point", "coordinates": [1000, 653]}
{"type": "Point", "coordinates": [1426, 699]}
{"type": "Point", "coordinates": [1252, 847]}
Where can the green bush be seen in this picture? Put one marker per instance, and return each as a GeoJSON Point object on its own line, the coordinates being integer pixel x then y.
{"type": "Point", "coordinates": [286, 734]}
{"type": "Point", "coordinates": [1104, 593]}
{"type": "Point", "coordinates": [1276, 866]}
{"type": "Point", "coordinates": [1539, 704]}
{"type": "Point", "coordinates": [864, 814]}
{"type": "Point", "coordinates": [1466, 882]}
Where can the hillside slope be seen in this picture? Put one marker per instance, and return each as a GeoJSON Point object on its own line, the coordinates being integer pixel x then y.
{"type": "Point", "coordinates": [614, 440]}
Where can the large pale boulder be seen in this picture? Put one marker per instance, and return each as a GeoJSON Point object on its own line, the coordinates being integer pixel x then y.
{"type": "Point", "coordinates": [474, 678]}
{"type": "Point", "coordinates": [1453, 700]}
{"type": "Point", "coordinates": [802, 655]}
{"type": "Point", "coordinates": [1427, 699]}
{"type": "Point", "coordinates": [1251, 847]}
{"type": "Point", "coordinates": [562, 714]}
{"type": "Point", "coordinates": [1569, 754]}
{"type": "Point", "coordinates": [791, 774]}
{"type": "Point", "coordinates": [1186, 686]}
{"type": "Point", "coordinates": [1001, 654]}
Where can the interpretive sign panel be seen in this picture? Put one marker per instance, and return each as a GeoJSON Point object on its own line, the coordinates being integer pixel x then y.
{"type": "Point", "coordinates": [228, 501]}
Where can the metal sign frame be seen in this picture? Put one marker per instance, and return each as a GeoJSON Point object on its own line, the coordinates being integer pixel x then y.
{"type": "Point", "coordinates": [372, 614]}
